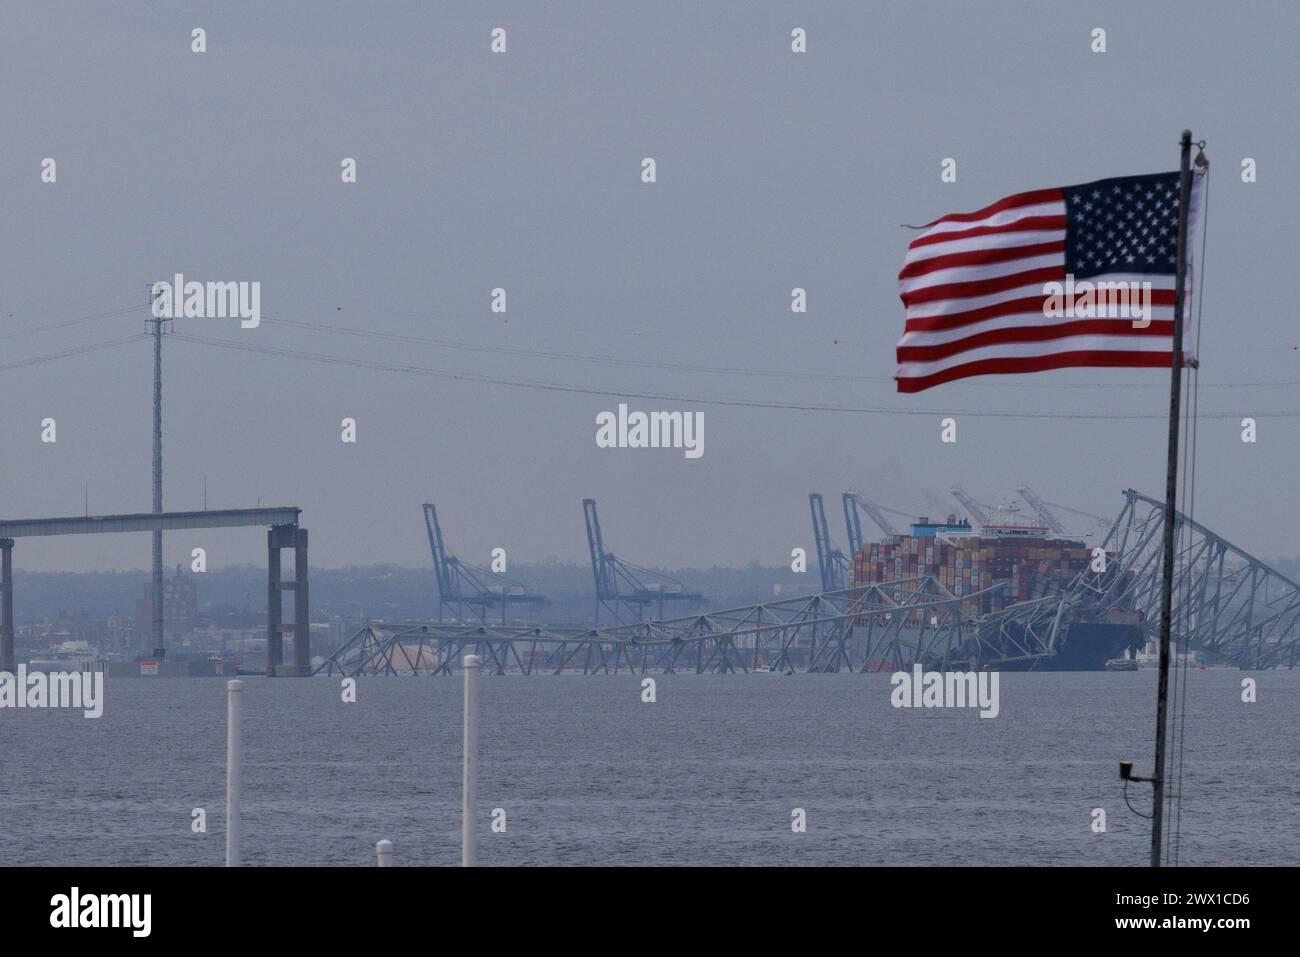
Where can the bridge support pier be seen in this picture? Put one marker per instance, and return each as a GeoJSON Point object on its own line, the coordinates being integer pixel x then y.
{"type": "Point", "coordinates": [280, 537]}
{"type": "Point", "coordinates": [7, 605]}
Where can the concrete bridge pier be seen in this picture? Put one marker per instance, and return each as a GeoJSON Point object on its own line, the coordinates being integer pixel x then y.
{"type": "Point", "coordinates": [7, 605]}
{"type": "Point", "coordinates": [279, 537]}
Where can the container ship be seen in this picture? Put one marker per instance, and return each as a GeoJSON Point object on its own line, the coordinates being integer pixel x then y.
{"type": "Point", "coordinates": [1027, 559]}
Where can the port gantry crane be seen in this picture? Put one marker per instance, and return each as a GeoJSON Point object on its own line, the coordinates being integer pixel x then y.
{"type": "Point", "coordinates": [461, 584]}
{"type": "Point", "coordinates": [1233, 608]}
{"type": "Point", "coordinates": [973, 507]}
{"type": "Point", "coordinates": [1041, 507]}
{"type": "Point", "coordinates": [836, 569]}
{"type": "Point", "coordinates": [852, 521]}
{"type": "Point", "coordinates": [856, 500]}
{"type": "Point", "coordinates": [620, 584]}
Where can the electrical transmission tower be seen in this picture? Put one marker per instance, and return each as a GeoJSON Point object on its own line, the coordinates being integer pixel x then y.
{"type": "Point", "coordinates": [157, 326]}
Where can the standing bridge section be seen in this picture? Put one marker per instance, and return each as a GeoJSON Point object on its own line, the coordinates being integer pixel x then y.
{"type": "Point", "coordinates": [283, 532]}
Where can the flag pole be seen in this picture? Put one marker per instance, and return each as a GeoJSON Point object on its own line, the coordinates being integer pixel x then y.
{"type": "Point", "coordinates": [1171, 484]}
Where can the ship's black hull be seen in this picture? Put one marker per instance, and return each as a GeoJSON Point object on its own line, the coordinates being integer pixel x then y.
{"type": "Point", "coordinates": [1087, 647]}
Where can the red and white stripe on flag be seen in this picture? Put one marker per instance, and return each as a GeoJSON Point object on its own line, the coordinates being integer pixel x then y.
{"type": "Point", "coordinates": [975, 289]}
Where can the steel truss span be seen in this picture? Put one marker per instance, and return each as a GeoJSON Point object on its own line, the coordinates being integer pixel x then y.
{"type": "Point", "coordinates": [1228, 605]}
{"type": "Point", "coordinates": [877, 627]}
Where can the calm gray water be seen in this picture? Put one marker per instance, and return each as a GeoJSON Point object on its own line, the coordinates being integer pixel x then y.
{"type": "Point", "coordinates": [588, 774]}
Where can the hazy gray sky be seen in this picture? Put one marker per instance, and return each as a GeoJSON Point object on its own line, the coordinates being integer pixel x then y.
{"type": "Point", "coordinates": [522, 171]}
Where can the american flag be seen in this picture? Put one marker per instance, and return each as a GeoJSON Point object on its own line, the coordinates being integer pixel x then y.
{"type": "Point", "coordinates": [975, 285]}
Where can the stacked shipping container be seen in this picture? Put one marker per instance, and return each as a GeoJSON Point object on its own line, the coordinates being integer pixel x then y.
{"type": "Point", "coordinates": [1032, 566]}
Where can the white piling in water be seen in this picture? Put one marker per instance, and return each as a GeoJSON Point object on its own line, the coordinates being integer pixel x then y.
{"type": "Point", "coordinates": [234, 692]}
{"type": "Point", "coordinates": [384, 852]}
{"type": "Point", "coordinates": [469, 787]}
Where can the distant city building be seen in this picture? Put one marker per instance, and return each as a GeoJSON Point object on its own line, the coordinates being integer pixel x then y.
{"type": "Point", "coordinates": [180, 605]}
{"type": "Point", "coordinates": [340, 630]}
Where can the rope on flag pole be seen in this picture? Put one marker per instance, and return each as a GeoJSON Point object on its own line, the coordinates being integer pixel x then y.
{"type": "Point", "coordinates": [1171, 489]}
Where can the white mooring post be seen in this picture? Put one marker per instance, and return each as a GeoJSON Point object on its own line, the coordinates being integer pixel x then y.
{"type": "Point", "coordinates": [384, 851]}
{"type": "Point", "coordinates": [470, 784]}
{"type": "Point", "coordinates": [234, 692]}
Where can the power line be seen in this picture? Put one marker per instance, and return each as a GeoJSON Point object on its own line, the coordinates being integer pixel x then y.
{"type": "Point", "coordinates": [569, 356]}
{"type": "Point", "coordinates": [76, 351]}
{"type": "Point", "coordinates": [399, 368]}
{"type": "Point", "coordinates": [717, 370]}
{"type": "Point", "coordinates": [621, 362]}
{"type": "Point", "coordinates": [49, 327]}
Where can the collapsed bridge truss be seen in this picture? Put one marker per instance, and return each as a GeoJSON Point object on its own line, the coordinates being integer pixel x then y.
{"type": "Point", "coordinates": [1227, 605]}
{"type": "Point", "coordinates": [877, 627]}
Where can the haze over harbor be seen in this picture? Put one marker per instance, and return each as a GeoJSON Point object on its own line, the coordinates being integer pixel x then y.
{"type": "Point", "coordinates": [359, 311]}
{"type": "Point", "coordinates": [522, 171]}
